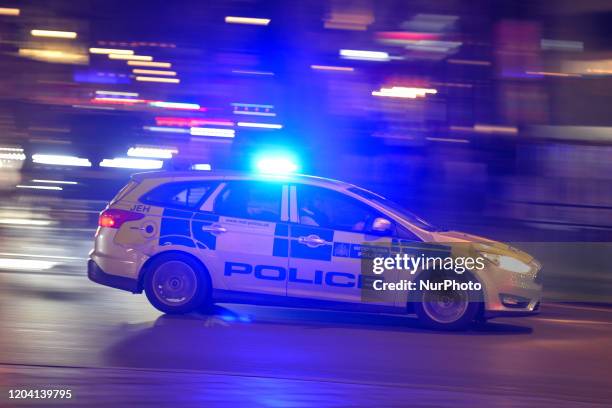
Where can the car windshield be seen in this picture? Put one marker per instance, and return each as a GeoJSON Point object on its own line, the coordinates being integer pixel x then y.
{"type": "Point", "coordinates": [395, 207]}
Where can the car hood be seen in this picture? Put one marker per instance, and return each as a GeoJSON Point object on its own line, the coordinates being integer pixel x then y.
{"type": "Point", "coordinates": [480, 244]}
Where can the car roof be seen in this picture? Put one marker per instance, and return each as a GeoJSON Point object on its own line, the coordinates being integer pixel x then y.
{"type": "Point", "coordinates": [168, 175]}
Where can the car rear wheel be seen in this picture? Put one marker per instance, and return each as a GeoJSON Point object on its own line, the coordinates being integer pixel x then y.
{"type": "Point", "coordinates": [449, 309]}
{"type": "Point", "coordinates": [176, 284]}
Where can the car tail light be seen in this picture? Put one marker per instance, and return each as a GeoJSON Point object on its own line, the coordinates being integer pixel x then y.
{"type": "Point", "coordinates": [113, 218]}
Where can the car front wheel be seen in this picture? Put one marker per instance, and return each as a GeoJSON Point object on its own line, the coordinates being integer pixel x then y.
{"type": "Point", "coordinates": [449, 309]}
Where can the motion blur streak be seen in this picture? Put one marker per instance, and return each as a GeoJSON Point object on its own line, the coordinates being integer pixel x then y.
{"type": "Point", "coordinates": [176, 105]}
{"type": "Point", "coordinates": [54, 34]}
{"type": "Point", "coordinates": [364, 55]}
{"type": "Point", "coordinates": [54, 181]}
{"type": "Point", "coordinates": [153, 79]}
{"type": "Point", "coordinates": [117, 100]}
{"type": "Point", "coordinates": [117, 93]}
{"type": "Point", "coordinates": [110, 51]}
{"type": "Point", "coordinates": [130, 57]}
{"type": "Point", "coordinates": [60, 160]}
{"type": "Point", "coordinates": [214, 132]}
{"type": "Point", "coordinates": [26, 264]}
{"type": "Point", "coordinates": [150, 64]}
{"type": "Point", "coordinates": [130, 163]}
{"type": "Point", "coordinates": [24, 221]}
{"type": "Point", "coordinates": [247, 20]}
{"type": "Point", "coordinates": [53, 55]}
{"type": "Point", "coordinates": [152, 152]}
{"type": "Point", "coordinates": [39, 187]}
{"type": "Point", "coordinates": [260, 125]}
{"type": "Point", "coordinates": [153, 72]}
{"type": "Point", "coordinates": [332, 68]}
{"type": "Point", "coordinates": [402, 92]}
{"type": "Point", "coordinates": [165, 129]}
{"type": "Point", "coordinates": [4, 11]}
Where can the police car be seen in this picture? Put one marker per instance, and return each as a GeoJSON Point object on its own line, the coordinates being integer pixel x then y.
{"type": "Point", "coordinates": [189, 239]}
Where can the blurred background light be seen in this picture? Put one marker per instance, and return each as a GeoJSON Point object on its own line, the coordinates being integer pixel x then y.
{"type": "Point", "coordinates": [152, 152]}
{"type": "Point", "coordinates": [404, 92]}
{"type": "Point", "coordinates": [6, 11]}
{"type": "Point", "coordinates": [131, 163]}
{"type": "Point", "coordinates": [26, 264]}
{"type": "Point", "coordinates": [57, 188]}
{"type": "Point", "coordinates": [12, 153]}
{"type": "Point", "coordinates": [110, 51]}
{"type": "Point", "coordinates": [130, 57]}
{"type": "Point", "coordinates": [164, 129]}
{"type": "Point", "coordinates": [201, 166]}
{"type": "Point", "coordinates": [175, 105]}
{"type": "Point", "coordinates": [54, 34]}
{"type": "Point", "coordinates": [253, 109]}
{"type": "Point", "coordinates": [24, 221]}
{"type": "Point", "coordinates": [117, 93]}
{"type": "Point", "coordinates": [364, 55]}
{"type": "Point", "coordinates": [153, 79]}
{"type": "Point", "coordinates": [54, 181]}
{"type": "Point", "coordinates": [153, 72]}
{"type": "Point", "coordinates": [60, 160]}
{"type": "Point", "coordinates": [332, 68]}
{"type": "Point", "coordinates": [150, 64]}
{"type": "Point", "coordinates": [247, 20]}
{"type": "Point", "coordinates": [57, 56]}
{"type": "Point", "coordinates": [250, 72]}
{"type": "Point", "coordinates": [191, 122]}
{"type": "Point", "coordinates": [260, 125]}
{"type": "Point", "coordinates": [213, 132]}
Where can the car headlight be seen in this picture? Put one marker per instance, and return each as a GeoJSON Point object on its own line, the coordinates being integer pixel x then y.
{"type": "Point", "coordinates": [508, 263]}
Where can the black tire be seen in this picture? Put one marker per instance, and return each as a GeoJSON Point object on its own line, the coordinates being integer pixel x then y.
{"type": "Point", "coordinates": [467, 304]}
{"type": "Point", "coordinates": [176, 284]}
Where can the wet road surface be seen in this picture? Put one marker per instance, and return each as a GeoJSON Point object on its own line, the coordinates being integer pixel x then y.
{"type": "Point", "coordinates": [59, 329]}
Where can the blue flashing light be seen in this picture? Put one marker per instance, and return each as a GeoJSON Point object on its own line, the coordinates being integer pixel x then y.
{"type": "Point", "coordinates": [276, 165]}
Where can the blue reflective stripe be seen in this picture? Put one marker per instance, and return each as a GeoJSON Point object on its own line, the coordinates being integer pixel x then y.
{"type": "Point", "coordinates": [178, 228]}
{"type": "Point", "coordinates": [281, 230]}
{"type": "Point", "coordinates": [176, 240]}
{"type": "Point", "coordinates": [203, 237]}
{"type": "Point", "coordinates": [205, 217]}
{"type": "Point", "coordinates": [174, 226]}
{"type": "Point", "coordinates": [281, 247]}
{"type": "Point", "coordinates": [171, 212]}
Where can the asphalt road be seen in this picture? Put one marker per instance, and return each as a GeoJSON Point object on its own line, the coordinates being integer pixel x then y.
{"type": "Point", "coordinates": [58, 330]}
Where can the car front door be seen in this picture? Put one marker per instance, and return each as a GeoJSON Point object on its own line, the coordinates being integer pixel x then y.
{"type": "Point", "coordinates": [328, 235]}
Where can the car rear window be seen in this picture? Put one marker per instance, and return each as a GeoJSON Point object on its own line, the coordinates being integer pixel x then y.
{"type": "Point", "coordinates": [124, 191]}
{"type": "Point", "coordinates": [179, 194]}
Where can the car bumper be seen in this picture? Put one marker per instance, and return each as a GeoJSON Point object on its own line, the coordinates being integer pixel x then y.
{"type": "Point", "coordinates": [489, 314]}
{"type": "Point", "coordinates": [96, 274]}
{"type": "Point", "coordinates": [509, 294]}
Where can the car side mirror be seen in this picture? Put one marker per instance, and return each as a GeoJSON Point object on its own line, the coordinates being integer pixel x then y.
{"type": "Point", "coordinates": [381, 225]}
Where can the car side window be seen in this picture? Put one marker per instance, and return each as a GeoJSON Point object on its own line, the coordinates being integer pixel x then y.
{"type": "Point", "coordinates": [178, 194]}
{"type": "Point", "coordinates": [252, 200]}
{"type": "Point", "coordinates": [330, 209]}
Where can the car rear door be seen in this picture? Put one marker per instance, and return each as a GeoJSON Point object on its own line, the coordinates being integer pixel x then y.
{"type": "Point", "coordinates": [246, 218]}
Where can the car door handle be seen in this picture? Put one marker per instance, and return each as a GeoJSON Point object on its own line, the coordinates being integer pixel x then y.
{"type": "Point", "coordinates": [312, 241]}
{"type": "Point", "coordinates": [215, 229]}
